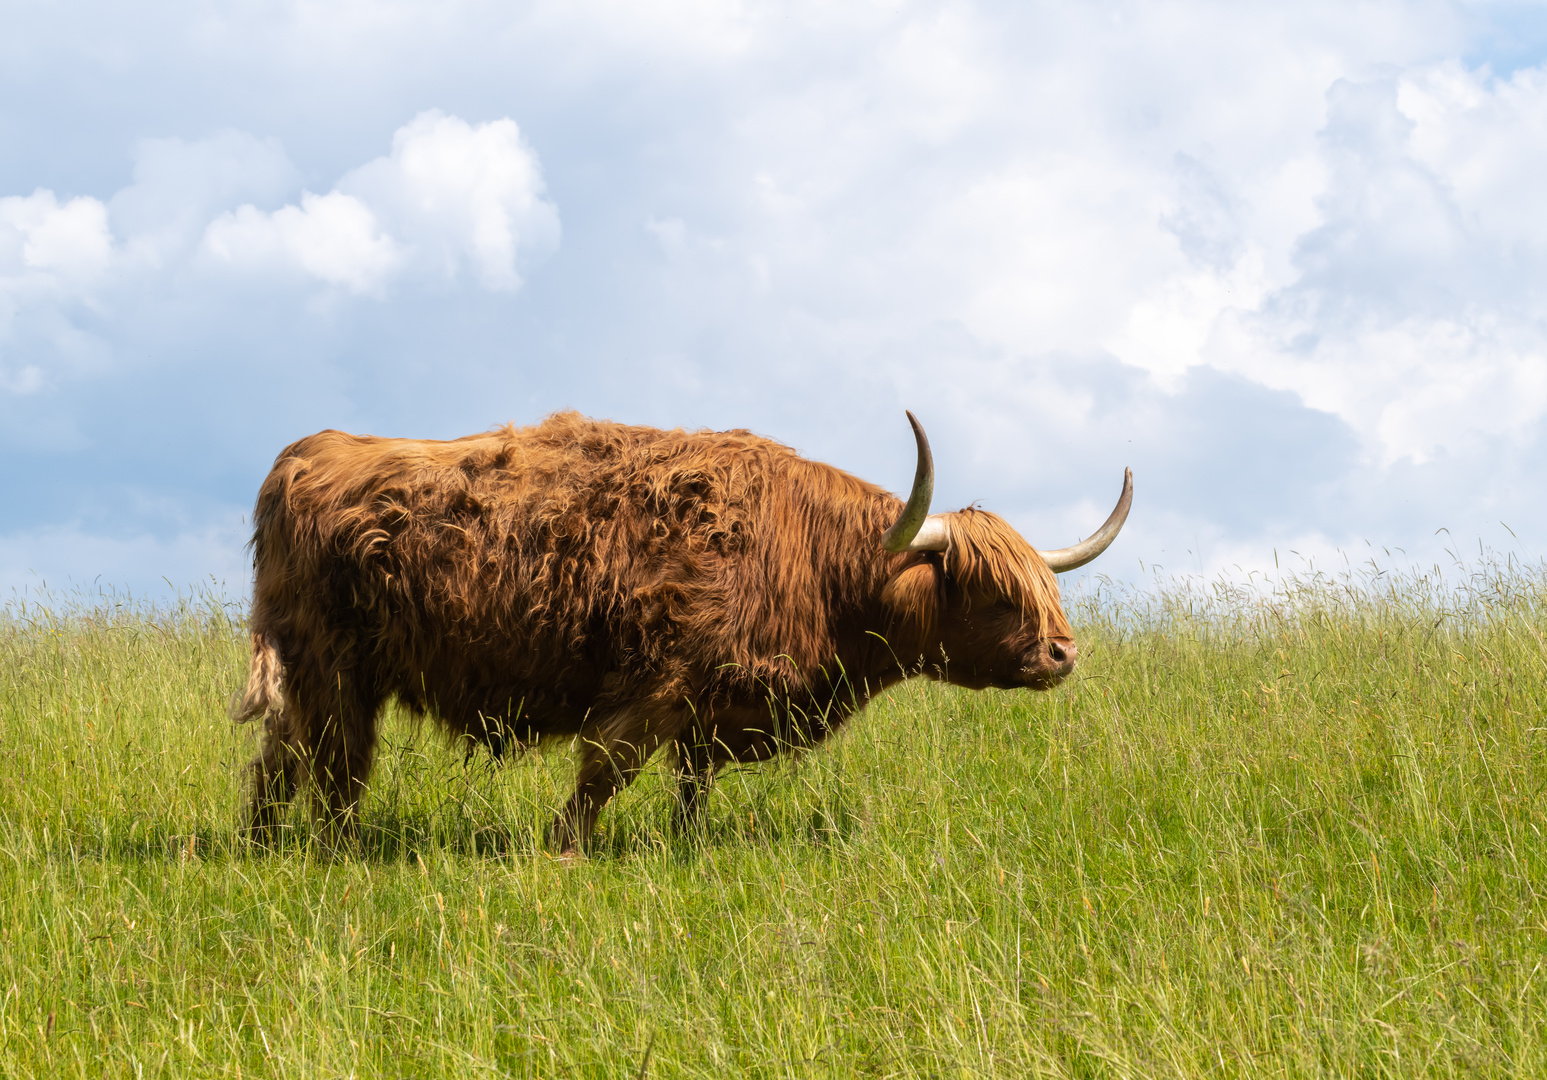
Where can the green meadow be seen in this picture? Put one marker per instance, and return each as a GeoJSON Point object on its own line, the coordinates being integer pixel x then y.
{"type": "Point", "coordinates": [1263, 832]}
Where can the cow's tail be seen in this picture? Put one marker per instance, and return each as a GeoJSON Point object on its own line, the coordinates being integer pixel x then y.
{"type": "Point", "coordinates": [265, 683]}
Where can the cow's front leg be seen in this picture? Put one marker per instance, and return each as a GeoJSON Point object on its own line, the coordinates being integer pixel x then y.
{"type": "Point", "coordinates": [611, 754]}
{"type": "Point", "coordinates": [695, 774]}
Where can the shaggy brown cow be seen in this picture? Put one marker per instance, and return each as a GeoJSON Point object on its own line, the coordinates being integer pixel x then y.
{"type": "Point", "coordinates": [630, 586]}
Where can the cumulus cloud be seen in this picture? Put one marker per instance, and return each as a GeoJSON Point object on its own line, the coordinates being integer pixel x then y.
{"type": "Point", "coordinates": [450, 195]}
{"type": "Point", "coordinates": [181, 185]}
{"type": "Point", "coordinates": [68, 242]}
{"type": "Point", "coordinates": [1325, 211]}
{"type": "Point", "coordinates": [463, 194]}
{"type": "Point", "coordinates": [1385, 270]}
{"type": "Point", "coordinates": [1414, 314]}
{"type": "Point", "coordinates": [51, 253]}
{"type": "Point", "coordinates": [334, 238]}
{"type": "Point", "coordinates": [452, 202]}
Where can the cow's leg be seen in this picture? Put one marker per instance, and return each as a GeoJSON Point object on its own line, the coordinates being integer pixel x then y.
{"type": "Point", "coordinates": [327, 728]}
{"type": "Point", "coordinates": [611, 755]}
{"type": "Point", "coordinates": [343, 748]}
{"type": "Point", "coordinates": [739, 735]}
{"type": "Point", "coordinates": [695, 774]}
{"type": "Point", "coordinates": [276, 773]}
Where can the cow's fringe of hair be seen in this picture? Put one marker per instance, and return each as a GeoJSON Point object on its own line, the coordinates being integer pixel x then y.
{"type": "Point", "coordinates": [264, 693]}
{"type": "Point", "coordinates": [989, 558]}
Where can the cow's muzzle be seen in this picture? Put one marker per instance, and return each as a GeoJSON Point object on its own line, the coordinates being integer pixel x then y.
{"type": "Point", "coordinates": [1051, 663]}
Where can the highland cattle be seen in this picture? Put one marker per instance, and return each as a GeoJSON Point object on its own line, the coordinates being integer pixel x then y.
{"type": "Point", "coordinates": [630, 588]}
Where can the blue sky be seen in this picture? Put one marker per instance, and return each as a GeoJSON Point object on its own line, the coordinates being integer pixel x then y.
{"type": "Point", "coordinates": [1287, 261]}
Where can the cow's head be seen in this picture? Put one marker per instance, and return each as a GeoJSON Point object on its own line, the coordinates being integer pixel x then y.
{"type": "Point", "coordinates": [975, 592]}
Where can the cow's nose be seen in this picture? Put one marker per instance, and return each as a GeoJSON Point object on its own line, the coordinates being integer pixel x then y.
{"type": "Point", "coordinates": [1063, 652]}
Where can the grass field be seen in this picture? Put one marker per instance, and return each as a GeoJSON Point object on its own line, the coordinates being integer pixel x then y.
{"type": "Point", "coordinates": [1287, 835]}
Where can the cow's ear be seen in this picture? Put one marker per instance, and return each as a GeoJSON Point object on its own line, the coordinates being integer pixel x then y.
{"type": "Point", "coordinates": [913, 595]}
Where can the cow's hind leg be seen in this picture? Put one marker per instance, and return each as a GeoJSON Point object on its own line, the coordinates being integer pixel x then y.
{"type": "Point", "coordinates": [343, 748]}
{"type": "Point", "coordinates": [276, 773]}
{"type": "Point", "coordinates": [611, 755]}
{"type": "Point", "coordinates": [327, 728]}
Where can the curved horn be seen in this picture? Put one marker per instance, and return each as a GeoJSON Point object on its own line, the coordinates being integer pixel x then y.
{"type": "Point", "coordinates": [915, 529]}
{"type": "Point", "coordinates": [1070, 558]}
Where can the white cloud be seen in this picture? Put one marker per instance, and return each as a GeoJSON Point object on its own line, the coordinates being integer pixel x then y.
{"type": "Point", "coordinates": [1405, 299]}
{"type": "Point", "coordinates": [1487, 139]}
{"type": "Point", "coordinates": [462, 193]}
{"type": "Point", "coordinates": [1316, 206]}
{"type": "Point", "coordinates": [1415, 315]}
{"type": "Point", "coordinates": [449, 194]}
{"type": "Point", "coordinates": [39, 235]}
{"type": "Point", "coordinates": [180, 186]}
{"type": "Point", "coordinates": [25, 380]}
{"type": "Point", "coordinates": [334, 238]}
{"type": "Point", "coordinates": [212, 213]}
{"type": "Point", "coordinates": [64, 564]}
{"type": "Point", "coordinates": [712, 30]}
{"type": "Point", "coordinates": [50, 253]}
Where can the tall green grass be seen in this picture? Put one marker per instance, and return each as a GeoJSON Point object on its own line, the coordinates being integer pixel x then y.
{"type": "Point", "coordinates": [1286, 832]}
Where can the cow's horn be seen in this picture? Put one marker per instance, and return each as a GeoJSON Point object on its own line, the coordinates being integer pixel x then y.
{"type": "Point", "coordinates": [916, 529]}
{"type": "Point", "coordinates": [1070, 558]}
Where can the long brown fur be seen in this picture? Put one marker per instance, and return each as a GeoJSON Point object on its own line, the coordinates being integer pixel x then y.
{"type": "Point", "coordinates": [630, 586]}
